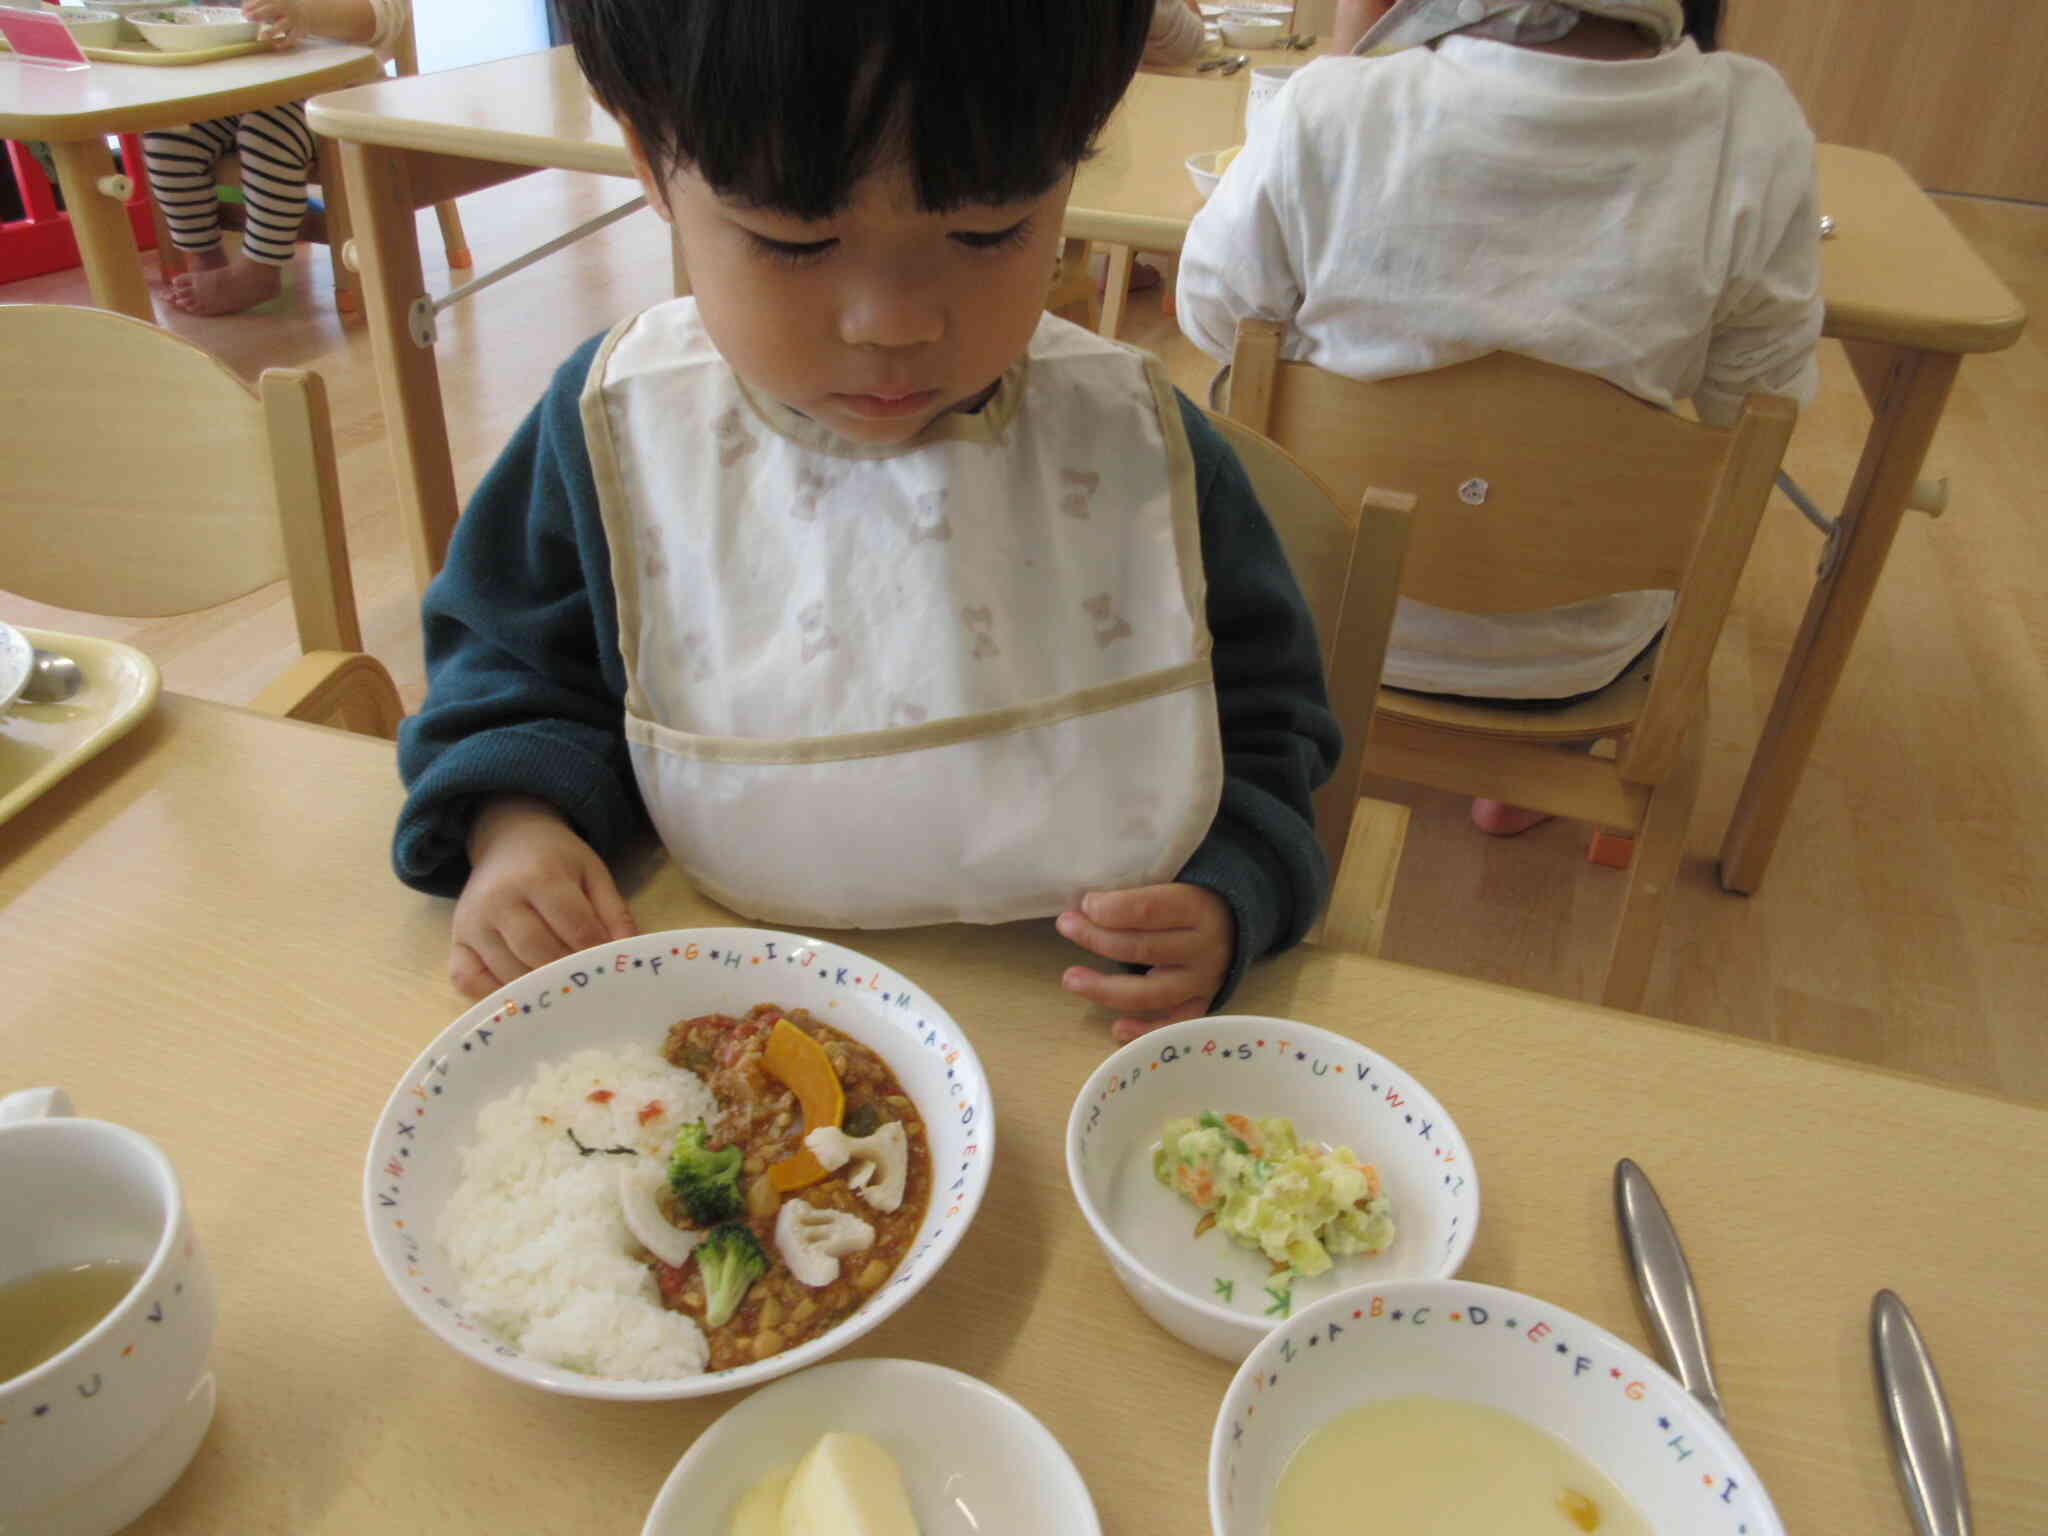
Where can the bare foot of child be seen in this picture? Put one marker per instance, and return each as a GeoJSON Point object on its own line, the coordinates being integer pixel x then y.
{"type": "Point", "coordinates": [218, 284]}
{"type": "Point", "coordinates": [1496, 818]}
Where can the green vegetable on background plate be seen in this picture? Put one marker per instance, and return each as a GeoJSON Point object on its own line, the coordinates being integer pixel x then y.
{"type": "Point", "coordinates": [1300, 1204]}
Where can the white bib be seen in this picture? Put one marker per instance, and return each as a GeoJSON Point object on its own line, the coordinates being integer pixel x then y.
{"type": "Point", "coordinates": [962, 679]}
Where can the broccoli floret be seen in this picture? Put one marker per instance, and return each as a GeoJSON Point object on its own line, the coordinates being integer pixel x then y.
{"type": "Point", "coordinates": [707, 1182]}
{"type": "Point", "coordinates": [730, 1260]}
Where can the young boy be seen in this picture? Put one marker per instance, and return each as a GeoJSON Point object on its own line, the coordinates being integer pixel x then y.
{"type": "Point", "coordinates": [887, 598]}
{"type": "Point", "coordinates": [1574, 181]}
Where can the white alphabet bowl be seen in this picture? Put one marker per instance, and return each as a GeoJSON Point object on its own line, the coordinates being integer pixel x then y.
{"type": "Point", "coordinates": [1500, 1349]}
{"type": "Point", "coordinates": [632, 991]}
{"type": "Point", "coordinates": [1204, 1289]}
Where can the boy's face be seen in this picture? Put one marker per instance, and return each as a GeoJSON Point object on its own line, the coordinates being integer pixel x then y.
{"type": "Point", "coordinates": [873, 321]}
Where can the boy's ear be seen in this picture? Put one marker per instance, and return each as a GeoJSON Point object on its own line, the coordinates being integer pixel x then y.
{"type": "Point", "coordinates": [643, 172]}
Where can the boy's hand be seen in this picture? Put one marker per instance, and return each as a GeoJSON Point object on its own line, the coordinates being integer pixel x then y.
{"type": "Point", "coordinates": [536, 892]}
{"type": "Point", "coordinates": [279, 23]}
{"type": "Point", "coordinates": [1182, 932]}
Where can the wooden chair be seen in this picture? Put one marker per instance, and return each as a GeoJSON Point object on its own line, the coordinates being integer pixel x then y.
{"type": "Point", "coordinates": [1349, 568]}
{"type": "Point", "coordinates": [146, 480]}
{"type": "Point", "coordinates": [326, 222]}
{"type": "Point", "coordinates": [1546, 487]}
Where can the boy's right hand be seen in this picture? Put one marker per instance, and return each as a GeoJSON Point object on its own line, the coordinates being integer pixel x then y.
{"type": "Point", "coordinates": [536, 892]}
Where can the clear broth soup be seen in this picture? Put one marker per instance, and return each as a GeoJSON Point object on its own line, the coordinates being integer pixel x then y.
{"type": "Point", "coordinates": [44, 1313]}
{"type": "Point", "coordinates": [1432, 1466]}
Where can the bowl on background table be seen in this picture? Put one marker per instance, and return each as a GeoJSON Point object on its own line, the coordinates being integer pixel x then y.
{"type": "Point", "coordinates": [91, 27]}
{"type": "Point", "coordinates": [187, 28]}
{"type": "Point", "coordinates": [975, 1462]}
{"type": "Point", "coordinates": [127, 8]}
{"type": "Point", "coordinates": [1206, 1290]}
{"type": "Point", "coordinates": [1202, 171]}
{"type": "Point", "coordinates": [1501, 1349]}
{"type": "Point", "coordinates": [17, 664]}
{"type": "Point", "coordinates": [1243, 31]}
{"type": "Point", "coordinates": [632, 991]}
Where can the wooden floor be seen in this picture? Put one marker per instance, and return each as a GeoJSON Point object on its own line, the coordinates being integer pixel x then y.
{"type": "Point", "coordinates": [1905, 920]}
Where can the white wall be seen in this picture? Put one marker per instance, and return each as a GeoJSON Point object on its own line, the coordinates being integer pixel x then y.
{"type": "Point", "coordinates": [452, 33]}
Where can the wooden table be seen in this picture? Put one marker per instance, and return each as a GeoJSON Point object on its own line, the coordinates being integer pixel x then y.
{"type": "Point", "coordinates": [202, 941]}
{"type": "Point", "coordinates": [1905, 294]}
{"type": "Point", "coordinates": [75, 110]}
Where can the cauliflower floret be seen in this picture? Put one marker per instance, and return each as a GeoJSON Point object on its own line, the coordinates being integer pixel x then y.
{"type": "Point", "coordinates": [811, 1241]}
{"type": "Point", "coordinates": [882, 1159]}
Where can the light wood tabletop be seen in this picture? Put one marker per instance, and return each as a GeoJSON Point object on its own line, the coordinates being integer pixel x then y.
{"type": "Point", "coordinates": [75, 110]}
{"type": "Point", "coordinates": [1904, 291]}
{"type": "Point", "coordinates": [203, 942]}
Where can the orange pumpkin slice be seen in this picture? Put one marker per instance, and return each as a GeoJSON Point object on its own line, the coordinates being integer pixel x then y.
{"type": "Point", "coordinates": [800, 1064]}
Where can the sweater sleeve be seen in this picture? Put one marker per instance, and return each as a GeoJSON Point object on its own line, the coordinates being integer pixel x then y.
{"type": "Point", "coordinates": [1768, 322]}
{"type": "Point", "coordinates": [1280, 740]}
{"type": "Point", "coordinates": [525, 682]}
{"type": "Point", "coordinates": [1239, 260]}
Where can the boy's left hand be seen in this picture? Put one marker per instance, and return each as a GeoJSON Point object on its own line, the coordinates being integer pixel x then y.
{"type": "Point", "coordinates": [1182, 932]}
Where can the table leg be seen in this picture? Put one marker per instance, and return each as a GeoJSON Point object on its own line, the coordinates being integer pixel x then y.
{"type": "Point", "coordinates": [380, 206]}
{"type": "Point", "coordinates": [1906, 405]}
{"type": "Point", "coordinates": [1116, 288]}
{"type": "Point", "coordinates": [99, 223]}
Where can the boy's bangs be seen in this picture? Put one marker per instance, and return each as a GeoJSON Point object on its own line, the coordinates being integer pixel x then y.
{"type": "Point", "coordinates": [786, 104]}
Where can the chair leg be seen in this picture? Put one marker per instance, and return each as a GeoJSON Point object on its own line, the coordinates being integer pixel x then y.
{"type": "Point", "coordinates": [1660, 846]}
{"type": "Point", "coordinates": [453, 241]}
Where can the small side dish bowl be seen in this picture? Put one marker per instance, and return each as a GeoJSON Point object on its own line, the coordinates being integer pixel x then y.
{"type": "Point", "coordinates": [1203, 173]}
{"type": "Point", "coordinates": [91, 28]}
{"type": "Point", "coordinates": [186, 28]}
{"type": "Point", "coordinates": [17, 663]}
{"type": "Point", "coordinates": [1500, 1349]}
{"type": "Point", "coordinates": [632, 991]}
{"type": "Point", "coordinates": [973, 1459]}
{"type": "Point", "coordinates": [1242, 31]}
{"type": "Point", "coordinates": [1208, 1291]}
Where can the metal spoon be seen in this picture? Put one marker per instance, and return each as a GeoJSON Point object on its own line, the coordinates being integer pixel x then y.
{"type": "Point", "coordinates": [1664, 1282]}
{"type": "Point", "coordinates": [1923, 1435]}
{"type": "Point", "coordinates": [52, 679]}
{"type": "Point", "coordinates": [1228, 63]}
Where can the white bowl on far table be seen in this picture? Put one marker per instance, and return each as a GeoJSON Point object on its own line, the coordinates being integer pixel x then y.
{"type": "Point", "coordinates": [127, 8]}
{"type": "Point", "coordinates": [1497, 1348]}
{"type": "Point", "coordinates": [187, 28]}
{"type": "Point", "coordinates": [1207, 1291]}
{"type": "Point", "coordinates": [1203, 173]}
{"type": "Point", "coordinates": [633, 990]}
{"type": "Point", "coordinates": [1240, 31]}
{"type": "Point", "coordinates": [90, 28]}
{"type": "Point", "coordinates": [975, 1462]}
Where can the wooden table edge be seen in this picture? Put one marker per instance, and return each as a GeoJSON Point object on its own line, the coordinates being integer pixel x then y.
{"type": "Point", "coordinates": [359, 69]}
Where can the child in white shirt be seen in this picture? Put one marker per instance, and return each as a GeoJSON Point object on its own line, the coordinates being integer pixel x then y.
{"type": "Point", "coordinates": [1577, 182]}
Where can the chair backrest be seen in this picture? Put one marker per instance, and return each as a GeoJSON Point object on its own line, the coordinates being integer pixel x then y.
{"type": "Point", "coordinates": [1349, 567]}
{"type": "Point", "coordinates": [1546, 486]}
{"type": "Point", "coordinates": [142, 478]}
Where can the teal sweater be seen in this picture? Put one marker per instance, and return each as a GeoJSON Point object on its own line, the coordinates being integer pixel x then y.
{"type": "Point", "coordinates": [526, 685]}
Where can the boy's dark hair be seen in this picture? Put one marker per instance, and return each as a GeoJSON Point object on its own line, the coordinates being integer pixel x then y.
{"type": "Point", "coordinates": [787, 103]}
{"type": "Point", "coordinates": [1703, 22]}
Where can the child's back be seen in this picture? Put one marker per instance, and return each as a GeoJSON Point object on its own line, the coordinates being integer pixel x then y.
{"type": "Point", "coordinates": [1650, 221]}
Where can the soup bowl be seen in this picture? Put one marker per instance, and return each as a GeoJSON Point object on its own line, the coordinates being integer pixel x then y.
{"type": "Point", "coordinates": [631, 992]}
{"type": "Point", "coordinates": [1203, 1288]}
{"type": "Point", "coordinates": [1605, 1400]}
{"type": "Point", "coordinates": [185, 28]}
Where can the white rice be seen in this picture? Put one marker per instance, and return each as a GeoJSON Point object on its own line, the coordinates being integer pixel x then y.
{"type": "Point", "coordinates": [533, 1227]}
